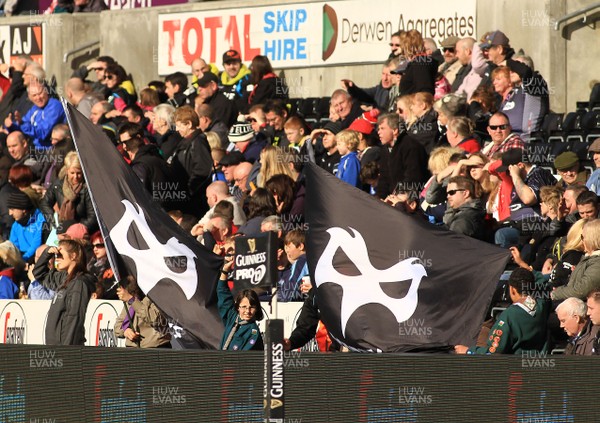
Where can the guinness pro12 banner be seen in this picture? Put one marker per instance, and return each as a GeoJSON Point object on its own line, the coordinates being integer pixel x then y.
{"type": "Point", "coordinates": [255, 261]}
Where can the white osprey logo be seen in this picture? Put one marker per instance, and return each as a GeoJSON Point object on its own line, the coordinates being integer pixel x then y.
{"type": "Point", "coordinates": [365, 288]}
{"type": "Point", "coordinates": [151, 264]}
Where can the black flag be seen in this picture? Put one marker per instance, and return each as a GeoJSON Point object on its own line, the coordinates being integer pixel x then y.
{"type": "Point", "coordinates": [142, 240]}
{"type": "Point", "coordinates": [391, 282]}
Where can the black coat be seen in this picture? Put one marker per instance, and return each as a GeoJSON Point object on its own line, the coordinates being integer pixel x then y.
{"type": "Point", "coordinates": [150, 167]}
{"type": "Point", "coordinates": [224, 109]}
{"type": "Point", "coordinates": [66, 317]}
{"type": "Point", "coordinates": [168, 142]}
{"type": "Point", "coordinates": [192, 167]}
{"type": "Point", "coordinates": [406, 162]}
{"type": "Point", "coordinates": [419, 76]}
{"type": "Point", "coordinates": [84, 209]}
{"type": "Point", "coordinates": [268, 89]}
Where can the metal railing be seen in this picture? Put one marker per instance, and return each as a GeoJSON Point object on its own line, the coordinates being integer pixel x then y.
{"type": "Point", "coordinates": [78, 49]}
{"type": "Point", "coordinates": [579, 12]}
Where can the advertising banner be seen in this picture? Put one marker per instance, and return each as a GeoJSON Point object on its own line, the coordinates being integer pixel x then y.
{"type": "Point", "coordinates": [306, 34]}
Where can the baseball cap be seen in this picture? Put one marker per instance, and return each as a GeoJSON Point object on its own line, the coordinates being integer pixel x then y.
{"type": "Point", "coordinates": [207, 78]}
{"type": "Point", "coordinates": [231, 56]}
{"type": "Point", "coordinates": [496, 38]}
{"type": "Point", "coordinates": [511, 157]}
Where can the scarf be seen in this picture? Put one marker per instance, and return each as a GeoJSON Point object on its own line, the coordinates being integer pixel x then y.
{"type": "Point", "coordinates": [129, 315]}
{"type": "Point", "coordinates": [236, 326]}
{"type": "Point", "coordinates": [227, 80]}
{"type": "Point", "coordinates": [67, 208]}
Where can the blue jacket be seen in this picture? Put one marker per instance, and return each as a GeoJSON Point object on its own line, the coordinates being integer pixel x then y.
{"type": "Point", "coordinates": [349, 169]}
{"type": "Point", "coordinates": [248, 336]}
{"type": "Point", "coordinates": [8, 290]}
{"type": "Point", "coordinates": [289, 284]}
{"type": "Point", "coordinates": [28, 238]}
{"type": "Point", "coordinates": [593, 183]}
{"type": "Point", "coordinates": [38, 122]}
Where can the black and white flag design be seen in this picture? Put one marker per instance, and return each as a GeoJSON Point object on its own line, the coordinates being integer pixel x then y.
{"type": "Point", "coordinates": [388, 281]}
{"type": "Point", "coordinates": [142, 240]}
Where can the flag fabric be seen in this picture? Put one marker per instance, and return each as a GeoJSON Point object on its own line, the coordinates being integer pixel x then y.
{"type": "Point", "coordinates": [387, 281]}
{"type": "Point", "coordinates": [175, 271]}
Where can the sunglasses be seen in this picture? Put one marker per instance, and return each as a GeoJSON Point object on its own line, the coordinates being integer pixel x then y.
{"type": "Point", "coordinates": [454, 191]}
{"type": "Point", "coordinates": [98, 245]}
{"type": "Point", "coordinates": [109, 77]}
{"type": "Point", "coordinates": [496, 127]}
{"type": "Point", "coordinates": [251, 120]}
{"type": "Point", "coordinates": [448, 49]}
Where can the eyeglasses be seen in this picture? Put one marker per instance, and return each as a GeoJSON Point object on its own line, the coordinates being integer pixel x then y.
{"type": "Point", "coordinates": [496, 127]}
{"type": "Point", "coordinates": [98, 245]}
{"type": "Point", "coordinates": [454, 191]}
{"type": "Point", "coordinates": [448, 49]}
{"type": "Point", "coordinates": [394, 45]}
{"type": "Point", "coordinates": [245, 308]}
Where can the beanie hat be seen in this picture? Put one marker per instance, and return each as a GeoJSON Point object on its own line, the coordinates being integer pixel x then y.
{"type": "Point", "coordinates": [241, 131]}
{"type": "Point", "coordinates": [19, 200]}
{"type": "Point", "coordinates": [334, 127]}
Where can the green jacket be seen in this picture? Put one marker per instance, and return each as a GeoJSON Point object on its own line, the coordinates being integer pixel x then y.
{"type": "Point", "coordinates": [248, 336]}
{"type": "Point", "coordinates": [584, 279]}
{"type": "Point", "coordinates": [518, 329]}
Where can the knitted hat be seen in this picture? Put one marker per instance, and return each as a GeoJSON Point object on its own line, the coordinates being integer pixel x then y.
{"type": "Point", "coordinates": [19, 200]}
{"type": "Point", "coordinates": [334, 127]}
{"type": "Point", "coordinates": [241, 131]}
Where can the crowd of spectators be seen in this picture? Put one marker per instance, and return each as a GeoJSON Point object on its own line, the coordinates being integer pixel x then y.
{"type": "Point", "coordinates": [443, 135]}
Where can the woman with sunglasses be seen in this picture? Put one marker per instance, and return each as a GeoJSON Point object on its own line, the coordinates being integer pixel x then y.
{"type": "Point", "coordinates": [73, 286]}
{"type": "Point", "coordinates": [100, 267]}
{"type": "Point", "coordinates": [121, 90]}
{"type": "Point", "coordinates": [239, 315]}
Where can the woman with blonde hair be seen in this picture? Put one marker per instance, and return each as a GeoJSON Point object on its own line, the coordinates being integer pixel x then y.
{"type": "Point", "coordinates": [71, 196]}
{"type": "Point", "coordinates": [273, 162]}
{"type": "Point", "coordinates": [433, 195]}
{"type": "Point", "coordinates": [11, 270]}
{"type": "Point", "coordinates": [586, 275]}
{"type": "Point", "coordinates": [424, 128]}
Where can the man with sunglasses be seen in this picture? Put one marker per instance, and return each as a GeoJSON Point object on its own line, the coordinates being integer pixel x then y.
{"type": "Point", "coordinates": [451, 64]}
{"type": "Point", "coordinates": [99, 67]}
{"type": "Point", "coordinates": [395, 45]}
{"type": "Point", "coordinates": [503, 139]}
{"type": "Point", "coordinates": [465, 213]}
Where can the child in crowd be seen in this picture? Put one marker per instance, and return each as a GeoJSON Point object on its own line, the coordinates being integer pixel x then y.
{"type": "Point", "coordinates": [294, 131]}
{"type": "Point", "coordinates": [289, 284]}
{"type": "Point", "coordinates": [349, 167]}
